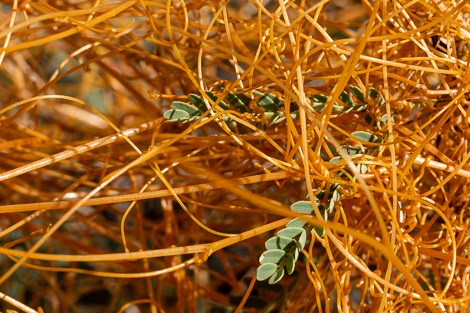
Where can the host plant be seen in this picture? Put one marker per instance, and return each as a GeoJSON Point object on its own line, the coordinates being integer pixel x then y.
{"type": "Point", "coordinates": [228, 156]}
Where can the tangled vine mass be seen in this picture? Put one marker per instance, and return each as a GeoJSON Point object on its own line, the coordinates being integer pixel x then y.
{"type": "Point", "coordinates": [228, 156]}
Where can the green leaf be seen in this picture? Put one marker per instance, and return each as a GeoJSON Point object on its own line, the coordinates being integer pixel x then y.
{"type": "Point", "coordinates": [277, 276]}
{"type": "Point", "coordinates": [275, 118]}
{"type": "Point", "coordinates": [361, 108]}
{"type": "Point", "coordinates": [303, 207]}
{"type": "Point", "coordinates": [265, 271]}
{"type": "Point", "coordinates": [318, 106]}
{"type": "Point", "coordinates": [192, 111]}
{"type": "Point", "coordinates": [272, 256]}
{"type": "Point", "coordinates": [267, 101]}
{"type": "Point", "coordinates": [334, 186]}
{"type": "Point", "coordinates": [346, 98]}
{"type": "Point", "coordinates": [295, 252]}
{"type": "Point", "coordinates": [291, 232]}
{"type": "Point", "coordinates": [278, 243]}
{"type": "Point", "coordinates": [214, 98]}
{"type": "Point", "coordinates": [175, 115]}
{"type": "Point", "coordinates": [320, 231]}
{"type": "Point", "coordinates": [347, 110]}
{"type": "Point", "coordinates": [384, 120]}
{"type": "Point", "coordinates": [374, 94]}
{"type": "Point", "coordinates": [302, 240]}
{"type": "Point", "coordinates": [198, 102]}
{"type": "Point", "coordinates": [319, 98]}
{"type": "Point", "coordinates": [357, 92]}
{"type": "Point", "coordinates": [365, 136]}
{"type": "Point", "coordinates": [290, 264]}
{"type": "Point", "coordinates": [336, 159]}
{"type": "Point", "coordinates": [336, 195]}
{"type": "Point", "coordinates": [294, 115]}
{"type": "Point", "coordinates": [237, 102]}
{"type": "Point", "coordinates": [297, 222]}
{"type": "Point", "coordinates": [333, 197]}
{"type": "Point", "coordinates": [330, 206]}
{"type": "Point", "coordinates": [243, 98]}
{"type": "Point", "coordinates": [319, 196]}
{"type": "Point", "coordinates": [295, 233]}
{"type": "Point", "coordinates": [337, 108]}
{"type": "Point", "coordinates": [362, 168]}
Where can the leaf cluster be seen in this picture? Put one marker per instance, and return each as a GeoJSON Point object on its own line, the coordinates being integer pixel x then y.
{"type": "Point", "coordinates": [282, 250]}
{"type": "Point", "coordinates": [267, 107]}
{"type": "Point", "coordinates": [355, 100]}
